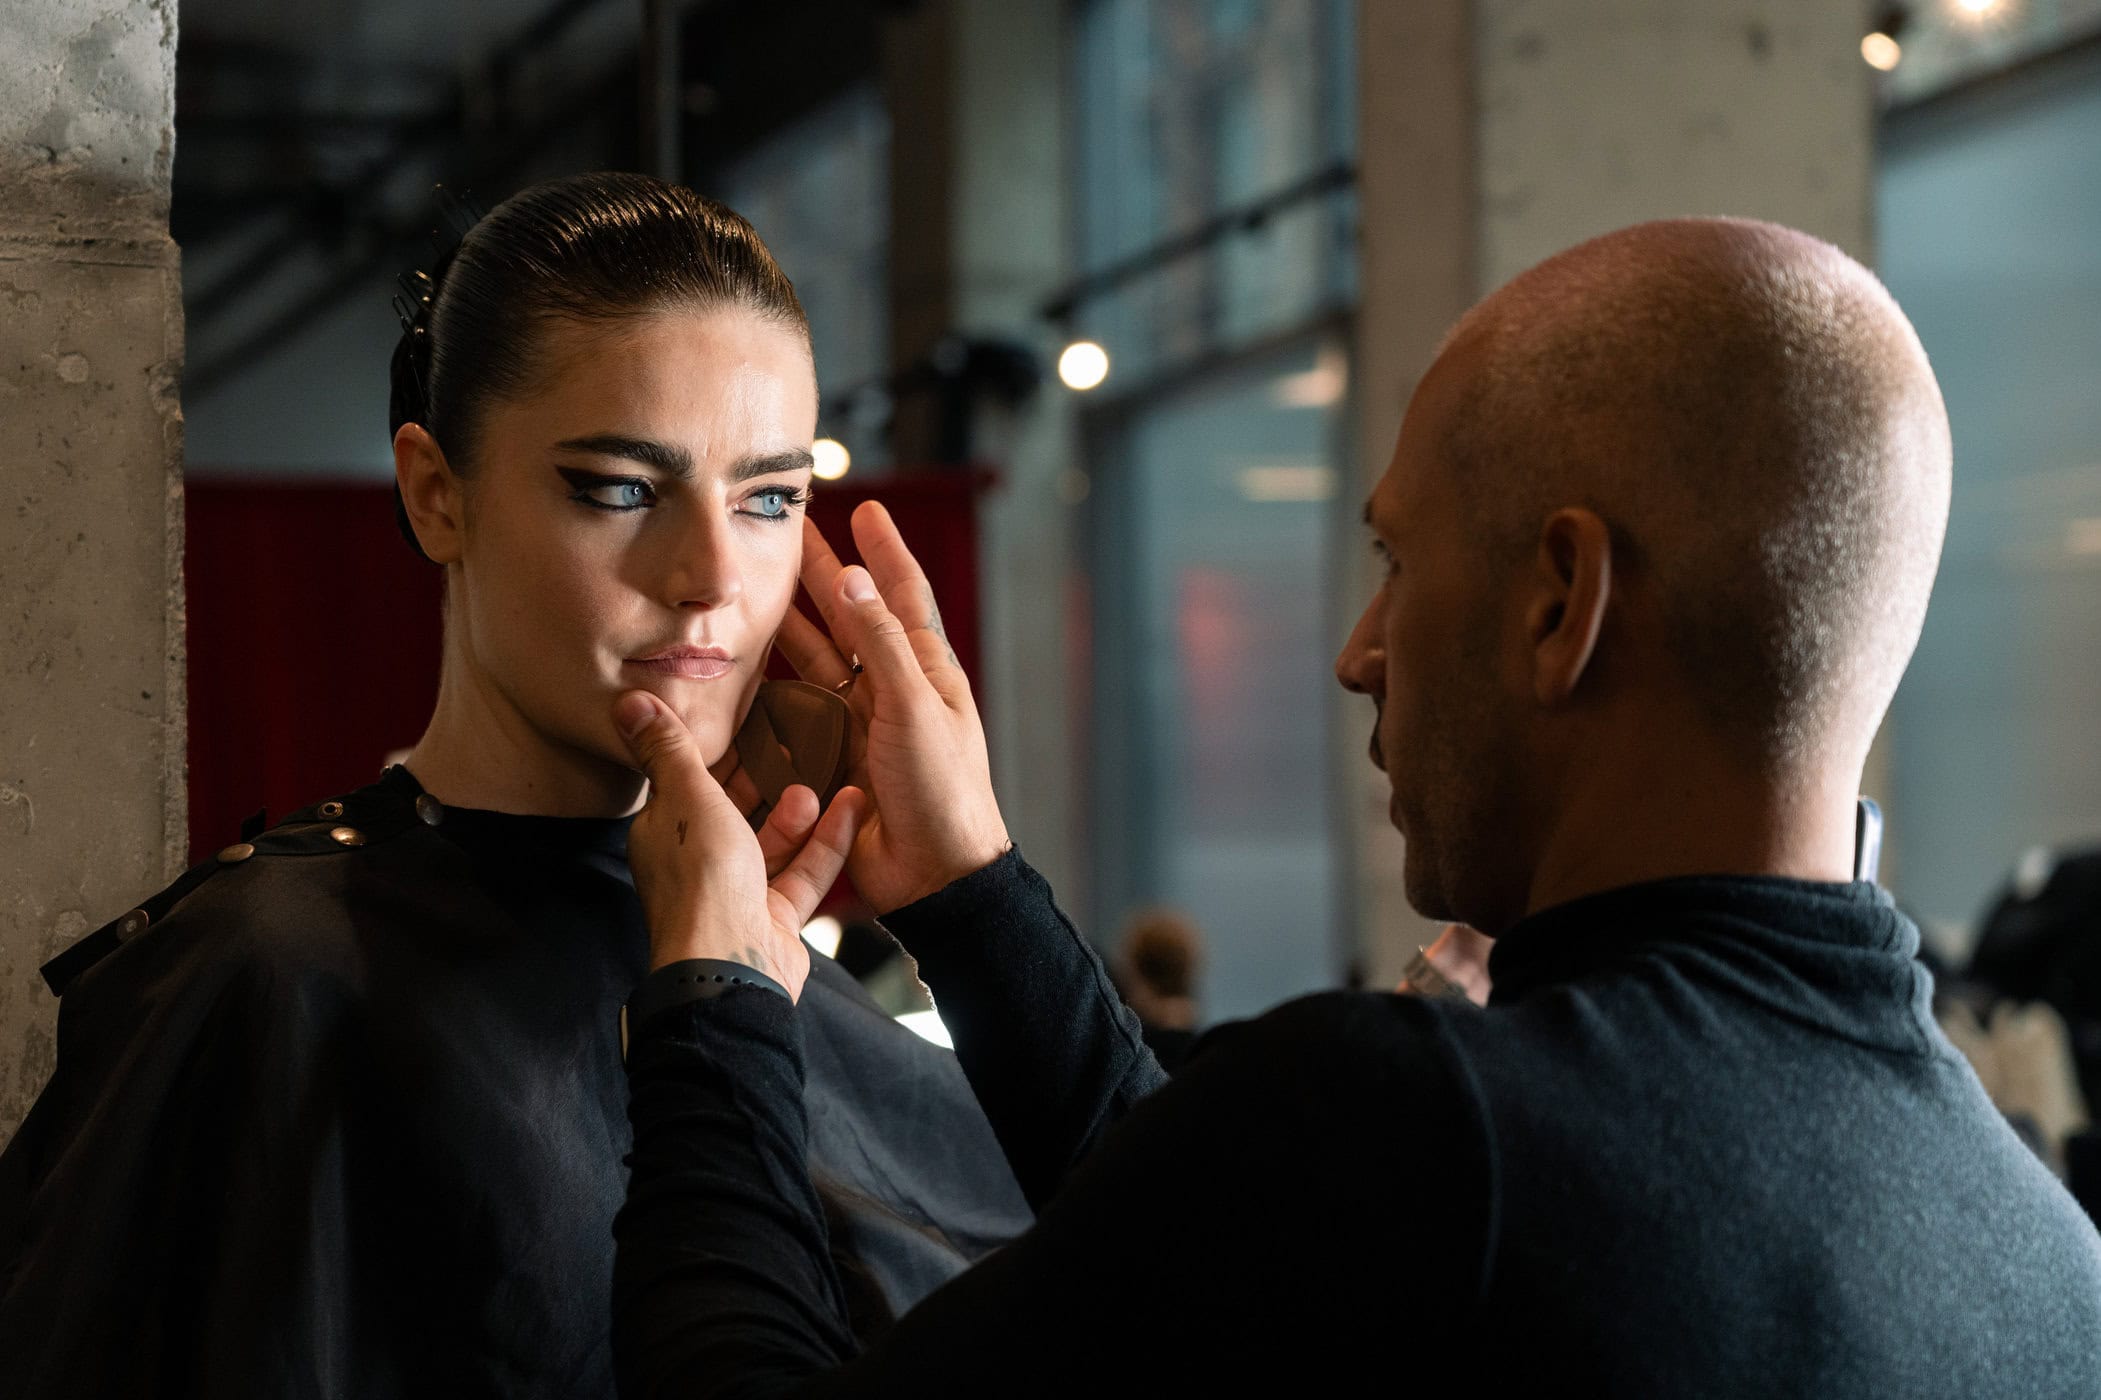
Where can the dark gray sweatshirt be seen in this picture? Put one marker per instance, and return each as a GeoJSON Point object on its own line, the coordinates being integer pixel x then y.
{"type": "Point", "coordinates": [1705, 1141]}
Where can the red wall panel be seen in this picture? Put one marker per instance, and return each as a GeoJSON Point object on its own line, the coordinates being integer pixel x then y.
{"type": "Point", "coordinates": [313, 646]}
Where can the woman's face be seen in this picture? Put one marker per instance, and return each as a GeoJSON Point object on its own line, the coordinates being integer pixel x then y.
{"type": "Point", "coordinates": [636, 522]}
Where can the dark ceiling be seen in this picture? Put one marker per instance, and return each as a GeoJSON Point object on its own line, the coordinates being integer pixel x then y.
{"type": "Point", "coordinates": [309, 138]}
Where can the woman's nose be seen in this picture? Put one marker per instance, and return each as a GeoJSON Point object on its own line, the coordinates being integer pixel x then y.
{"type": "Point", "coordinates": [702, 571]}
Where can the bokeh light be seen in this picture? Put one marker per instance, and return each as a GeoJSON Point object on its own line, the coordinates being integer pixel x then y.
{"type": "Point", "coordinates": [1083, 365]}
{"type": "Point", "coordinates": [829, 459]}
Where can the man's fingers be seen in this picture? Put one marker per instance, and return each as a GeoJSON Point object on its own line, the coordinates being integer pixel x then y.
{"type": "Point", "coordinates": [820, 571]}
{"type": "Point", "coordinates": [787, 828]}
{"type": "Point", "coordinates": [873, 633]}
{"type": "Point", "coordinates": [810, 651]}
{"type": "Point", "coordinates": [660, 742]}
{"type": "Point", "coordinates": [897, 574]}
{"type": "Point", "coordinates": [802, 885]}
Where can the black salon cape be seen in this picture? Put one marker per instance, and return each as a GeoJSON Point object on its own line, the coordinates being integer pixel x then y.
{"type": "Point", "coordinates": [350, 1120]}
{"type": "Point", "coordinates": [1706, 1141]}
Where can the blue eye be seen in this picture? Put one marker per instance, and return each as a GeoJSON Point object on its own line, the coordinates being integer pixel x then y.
{"type": "Point", "coordinates": [624, 495]}
{"type": "Point", "coordinates": [774, 502]}
{"type": "Point", "coordinates": [615, 493]}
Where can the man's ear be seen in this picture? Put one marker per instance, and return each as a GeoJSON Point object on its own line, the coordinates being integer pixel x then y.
{"type": "Point", "coordinates": [1567, 612]}
{"type": "Point", "coordinates": [430, 492]}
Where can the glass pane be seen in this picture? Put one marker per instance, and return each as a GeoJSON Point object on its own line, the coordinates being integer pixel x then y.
{"type": "Point", "coordinates": [1214, 672]}
{"type": "Point", "coordinates": [1989, 224]}
{"type": "Point", "coordinates": [819, 194]}
{"type": "Point", "coordinates": [1186, 109]}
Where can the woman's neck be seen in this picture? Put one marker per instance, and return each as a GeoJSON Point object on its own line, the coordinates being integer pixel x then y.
{"type": "Point", "coordinates": [480, 751]}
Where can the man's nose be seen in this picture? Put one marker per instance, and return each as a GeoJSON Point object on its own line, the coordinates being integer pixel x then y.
{"type": "Point", "coordinates": [1361, 668]}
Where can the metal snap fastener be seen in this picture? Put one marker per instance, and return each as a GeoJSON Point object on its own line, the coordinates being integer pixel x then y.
{"type": "Point", "coordinates": [236, 853]}
{"type": "Point", "coordinates": [348, 836]}
{"type": "Point", "coordinates": [429, 810]}
{"type": "Point", "coordinates": [331, 810]}
{"type": "Point", "coordinates": [133, 924]}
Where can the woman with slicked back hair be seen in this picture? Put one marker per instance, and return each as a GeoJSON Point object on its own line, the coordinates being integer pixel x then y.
{"type": "Point", "coordinates": [343, 1112]}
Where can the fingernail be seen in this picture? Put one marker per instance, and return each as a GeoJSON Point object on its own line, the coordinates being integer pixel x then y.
{"type": "Point", "coordinates": [860, 588]}
{"type": "Point", "coordinates": [633, 712]}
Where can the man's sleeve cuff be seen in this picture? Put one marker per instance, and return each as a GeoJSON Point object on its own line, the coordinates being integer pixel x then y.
{"type": "Point", "coordinates": [980, 900]}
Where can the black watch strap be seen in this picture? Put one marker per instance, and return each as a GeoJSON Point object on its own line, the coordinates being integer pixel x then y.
{"type": "Point", "coordinates": [681, 983]}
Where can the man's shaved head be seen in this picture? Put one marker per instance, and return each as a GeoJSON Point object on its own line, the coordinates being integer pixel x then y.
{"type": "Point", "coordinates": [1755, 419]}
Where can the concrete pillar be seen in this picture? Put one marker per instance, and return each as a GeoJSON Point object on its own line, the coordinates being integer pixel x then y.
{"type": "Point", "coordinates": [978, 240]}
{"type": "Point", "coordinates": [91, 621]}
{"type": "Point", "coordinates": [1493, 133]}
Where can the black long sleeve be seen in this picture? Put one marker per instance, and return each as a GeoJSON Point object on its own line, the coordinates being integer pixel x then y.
{"type": "Point", "coordinates": [1050, 1049]}
{"type": "Point", "coordinates": [1176, 1239]}
{"type": "Point", "coordinates": [722, 1223]}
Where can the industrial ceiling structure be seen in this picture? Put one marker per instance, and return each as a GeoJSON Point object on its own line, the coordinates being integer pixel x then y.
{"type": "Point", "coordinates": [309, 139]}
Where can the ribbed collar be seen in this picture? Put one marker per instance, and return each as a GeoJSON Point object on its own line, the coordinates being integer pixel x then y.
{"type": "Point", "coordinates": [1800, 924]}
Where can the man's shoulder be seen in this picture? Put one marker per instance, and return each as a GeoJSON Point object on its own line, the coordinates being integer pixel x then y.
{"type": "Point", "coordinates": [1355, 1044]}
{"type": "Point", "coordinates": [1371, 1019]}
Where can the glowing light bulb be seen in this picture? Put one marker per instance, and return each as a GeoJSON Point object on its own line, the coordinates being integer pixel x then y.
{"type": "Point", "coordinates": [1979, 7]}
{"type": "Point", "coordinates": [829, 459]}
{"type": "Point", "coordinates": [1882, 52]}
{"type": "Point", "coordinates": [1083, 365]}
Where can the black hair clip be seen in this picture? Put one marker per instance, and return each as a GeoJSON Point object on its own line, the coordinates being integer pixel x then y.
{"type": "Point", "coordinates": [418, 296]}
{"type": "Point", "coordinates": [457, 215]}
{"type": "Point", "coordinates": [409, 399]}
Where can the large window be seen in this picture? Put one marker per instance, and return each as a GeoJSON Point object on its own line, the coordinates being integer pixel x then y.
{"type": "Point", "coordinates": [1191, 108]}
{"type": "Point", "coordinates": [819, 194]}
{"type": "Point", "coordinates": [1212, 685]}
{"type": "Point", "coordinates": [1990, 221]}
{"type": "Point", "coordinates": [1214, 453]}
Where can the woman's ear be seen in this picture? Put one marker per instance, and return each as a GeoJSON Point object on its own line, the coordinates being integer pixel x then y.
{"type": "Point", "coordinates": [430, 492]}
{"type": "Point", "coordinates": [1567, 612]}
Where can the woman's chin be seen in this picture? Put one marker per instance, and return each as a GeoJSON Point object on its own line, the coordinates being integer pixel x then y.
{"type": "Point", "coordinates": [712, 730]}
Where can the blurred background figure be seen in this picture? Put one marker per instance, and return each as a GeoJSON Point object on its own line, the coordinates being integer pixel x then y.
{"type": "Point", "coordinates": [2027, 1010]}
{"type": "Point", "coordinates": [1159, 961]}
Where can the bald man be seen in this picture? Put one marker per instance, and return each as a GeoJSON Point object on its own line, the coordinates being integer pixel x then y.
{"type": "Point", "coordinates": [1659, 534]}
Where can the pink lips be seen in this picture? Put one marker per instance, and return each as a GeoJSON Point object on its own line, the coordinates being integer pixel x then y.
{"type": "Point", "coordinates": [690, 663]}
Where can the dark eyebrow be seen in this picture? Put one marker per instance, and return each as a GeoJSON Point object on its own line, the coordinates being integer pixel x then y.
{"type": "Point", "coordinates": [792, 459]}
{"type": "Point", "coordinates": [676, 462]}
{"type": "Point", "coordinates": [672, 461]}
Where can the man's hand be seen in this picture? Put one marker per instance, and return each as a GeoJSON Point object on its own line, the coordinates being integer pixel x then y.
{"type": "Point", "coordinates": [710, 888]}
{"type": "Point", "coordinates": [921, 757]}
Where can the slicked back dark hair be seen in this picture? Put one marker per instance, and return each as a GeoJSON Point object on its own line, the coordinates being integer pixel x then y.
{"type": "Point", "coordinates": [585, 248]}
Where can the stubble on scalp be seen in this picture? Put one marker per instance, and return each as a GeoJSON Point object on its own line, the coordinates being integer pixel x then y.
{"type": "Point", "coordinates": [1755, 419]}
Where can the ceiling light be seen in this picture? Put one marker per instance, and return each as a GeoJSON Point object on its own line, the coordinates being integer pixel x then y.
{"type": "Point", "coordinates": [1287, 482]}
{"type": "Point", "coordinates": [1882, 52]}
{"type": "Point", "coordinates": [1083, 365]}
